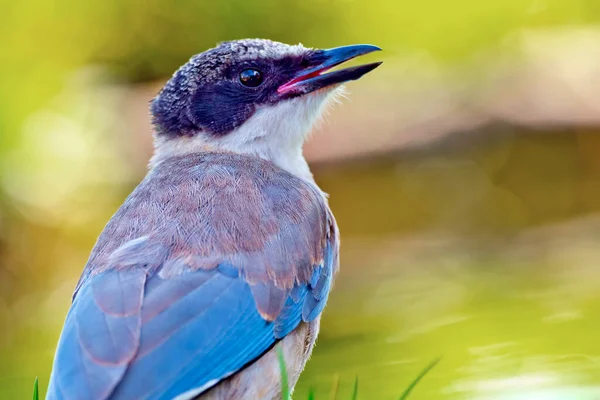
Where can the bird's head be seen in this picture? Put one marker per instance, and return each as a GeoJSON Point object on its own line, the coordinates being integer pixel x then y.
{"type": "Point", "coordinates": [250, 96]}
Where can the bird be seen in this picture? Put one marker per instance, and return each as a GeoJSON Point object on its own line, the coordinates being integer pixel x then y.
{"type": "Point", "coordinates": [224, 255]}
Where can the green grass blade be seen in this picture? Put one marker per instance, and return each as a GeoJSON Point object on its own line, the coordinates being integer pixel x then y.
{"type": "Point", "coordinates": [414, 383]}
{"type": "Point", "coordinates": [36, 394]}
{"type": "Point", "coordinates": [311, 394]}
{"type": "Point", "coordinates": [285, 388]}
{"type": "Point", "coordinates": [355, 390]}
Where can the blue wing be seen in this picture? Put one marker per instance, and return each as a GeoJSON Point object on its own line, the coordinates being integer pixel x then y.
{"type": "Point", "coordinates": [100, 337]}
{"type": "Point", "coordinates": [129, 336]}
{"type": "Point", "coordinates": [178, 295]}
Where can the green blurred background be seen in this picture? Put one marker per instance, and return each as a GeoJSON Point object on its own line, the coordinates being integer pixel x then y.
{"type": "Point", "coordinates": [464, 173]}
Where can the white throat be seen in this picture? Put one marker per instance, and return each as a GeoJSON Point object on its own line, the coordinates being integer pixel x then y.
{"type": "Point", "coordinates": [275, 133]}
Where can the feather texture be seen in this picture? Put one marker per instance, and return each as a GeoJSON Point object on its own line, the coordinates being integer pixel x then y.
{"type": "Point", "coordinates": [210, 261]}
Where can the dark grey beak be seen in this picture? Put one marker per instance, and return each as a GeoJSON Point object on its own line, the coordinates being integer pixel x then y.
{"type": "Point", "coordinates": [315, 77]}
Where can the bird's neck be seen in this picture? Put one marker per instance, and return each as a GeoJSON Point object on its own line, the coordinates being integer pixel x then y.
{"type": "Point", "coordinates": [289, 159]}
{"type": "Point", "coordinates": [287, 156]}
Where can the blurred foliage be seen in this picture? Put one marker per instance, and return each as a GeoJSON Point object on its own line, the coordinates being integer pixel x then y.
{"type": "Point", "coordinates": [44, 41]}
{"type": "Point", "coordinates": [68, 159]}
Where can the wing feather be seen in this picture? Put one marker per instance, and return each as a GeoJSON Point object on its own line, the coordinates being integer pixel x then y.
{"type": "Point", "coordinates": [205, 267]}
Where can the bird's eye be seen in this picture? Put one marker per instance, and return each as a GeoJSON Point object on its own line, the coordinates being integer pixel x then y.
{"type": "Point", "coordinates": [251, 77]}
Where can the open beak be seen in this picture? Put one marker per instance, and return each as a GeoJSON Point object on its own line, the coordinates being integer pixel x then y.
{"type": "Point", "coordinates": [321, 61]}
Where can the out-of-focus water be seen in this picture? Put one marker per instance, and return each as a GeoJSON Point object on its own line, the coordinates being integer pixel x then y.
{"type": "Point", "coordinates": [485, 255]}
{"type": "Point", "coordinates": [516, 320]}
